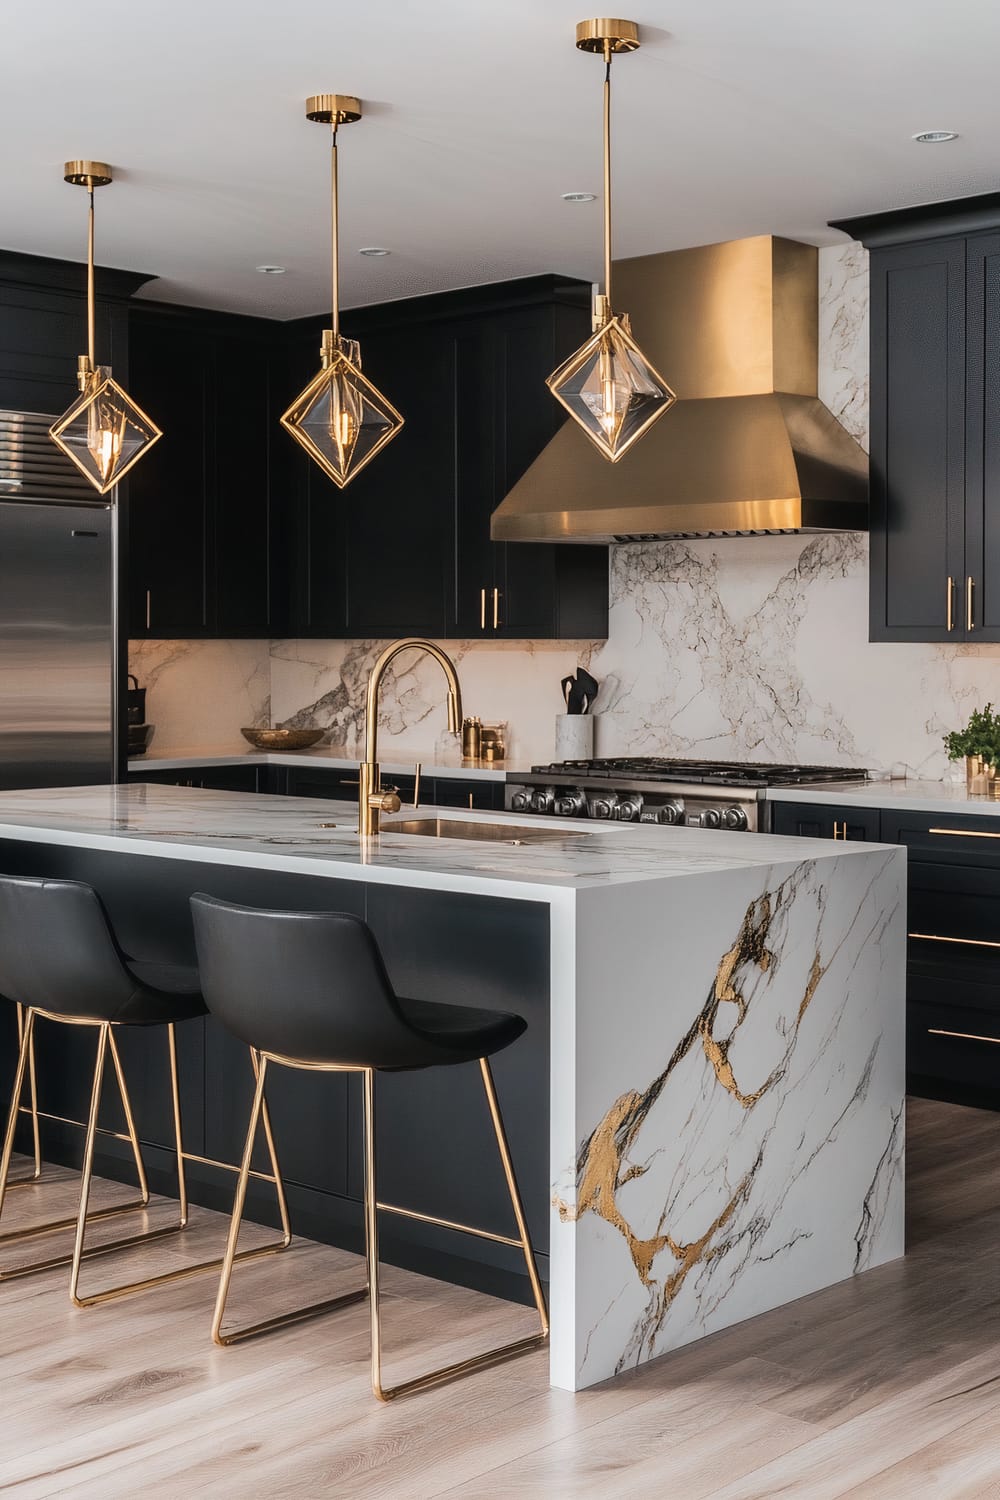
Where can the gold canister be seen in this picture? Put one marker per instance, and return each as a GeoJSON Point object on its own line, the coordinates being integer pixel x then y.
{"type": "Point", "coordinates": [472, 738]}
{"type": "Point", "coordinates": [492, 742]}
{"type": "Point", "coordinates": [981, 777]}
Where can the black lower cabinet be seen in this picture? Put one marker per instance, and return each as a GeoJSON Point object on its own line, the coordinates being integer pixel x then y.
{"type": "Point", "coordinates": [953, 939]}
{"type": "Point", "coordinates": [436, 1152]}
{"type": "Point", "coordinates": [813, 821]}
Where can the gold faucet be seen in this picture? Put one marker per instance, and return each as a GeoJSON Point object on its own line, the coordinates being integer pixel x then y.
{"type": "Point", "coordinates": [372, 799]}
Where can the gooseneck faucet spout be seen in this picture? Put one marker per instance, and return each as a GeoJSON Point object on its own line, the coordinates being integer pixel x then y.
{"type": "Point", "coordinates": [372, 799]}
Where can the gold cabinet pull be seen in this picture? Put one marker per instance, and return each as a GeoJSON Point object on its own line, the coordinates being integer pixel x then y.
{"type": "Point", "coordinates": [149, 608]}
{"type": "Point", "coordinates": [482, 609]}
{"type": "Point", "coordinates": [951, 603]}
{"type": "Point", "coordinates": [967, 1036]}
{"type": "Point", "coordinates": [840, 829]}
{"type": "Point", "coordinates": [416, 784]}
{"type": "Point", "coordinates": [965, 833]}
{"type": "Point", "coordinates": [496, 609]}
{"type": "Point", "coordinates": [969, 585]}
{"type": "Point", "coordinates": [934, 937]}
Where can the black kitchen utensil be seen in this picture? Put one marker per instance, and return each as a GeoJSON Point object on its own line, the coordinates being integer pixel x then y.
{"type": "Point", "coordinates": [589, 688]}
{"type": "Point", "coordinates": [567, 685]}
{"type": "Point", "coordinates": [135, 702]}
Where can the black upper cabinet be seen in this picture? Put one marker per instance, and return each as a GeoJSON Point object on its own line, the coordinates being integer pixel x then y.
{"type": "Point", "coordinates": [205, 535]}
{"type": "Point", "coordinates": [405, 548]}
{"type": "Point", "coordinates": [935, 405]}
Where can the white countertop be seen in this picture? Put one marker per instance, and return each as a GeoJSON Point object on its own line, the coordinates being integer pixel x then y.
{"type": "Point", "coordinates": [330, 757]}
{"type": "Point", "coordinates": [288, 833]}
{"type": "Point", "coordinates": [905, 796]}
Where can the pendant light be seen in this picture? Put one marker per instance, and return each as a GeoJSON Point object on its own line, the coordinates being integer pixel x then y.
{"type": "Point", "coordinates": [103, 432]}
{"type": "Point", "coordinates": [608, 386]}
{"type": "Point", "coordinates": [340, 419]}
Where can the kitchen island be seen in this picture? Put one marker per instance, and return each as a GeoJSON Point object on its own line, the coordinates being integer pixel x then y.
{"type": "Point", "coordinates": [705, 1112]}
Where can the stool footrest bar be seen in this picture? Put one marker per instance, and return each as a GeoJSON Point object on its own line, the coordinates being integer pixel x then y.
{"type": "Point", "coordinates": [465, 1366]}
{"type": "Point", "coordinates": [298, 1315]}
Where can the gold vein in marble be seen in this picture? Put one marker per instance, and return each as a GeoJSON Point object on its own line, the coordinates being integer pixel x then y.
{"type": "Point", "coordinates": [601, 1165]}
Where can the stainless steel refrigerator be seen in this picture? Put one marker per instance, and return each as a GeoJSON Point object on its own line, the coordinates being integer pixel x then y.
{"type": "Point", "coordinates": [58, 616]}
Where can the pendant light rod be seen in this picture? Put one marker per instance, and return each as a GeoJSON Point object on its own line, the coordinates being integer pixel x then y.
{"type": "Point", "coordinates": [606, 36]}
{"type": "Point", "coordinates": [607, 171]}
{"type": "Point", "coordinates": [91, 175]}
{"type": "Point", "coordinates": [91, 315]}
{"type": "Point", "coordinates": [334, 234]}
{"type": "Point", "coordinates": [334, 110]}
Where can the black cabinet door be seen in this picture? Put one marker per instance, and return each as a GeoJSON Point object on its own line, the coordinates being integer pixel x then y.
{"type": "Point", "coordinates": [815, 821]}
{"type": "Point", "coordinates": [982, 509]}
{"type": "Point", "coordinates": [398, 511]}
{"type": "Point", "coordinates": [918, 419]}
{"type": "Point", "coordinates": [245, 581]}
{"type": "Point", "coordinates": [476, 598]}
{"type": "Point", "coordinates": [169, 367]}
{"type": "Point", "coordinates": [467, 792]}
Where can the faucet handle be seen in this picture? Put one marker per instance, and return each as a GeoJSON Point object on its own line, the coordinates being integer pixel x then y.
{"type": "Point", "coordinates": [385, 801]}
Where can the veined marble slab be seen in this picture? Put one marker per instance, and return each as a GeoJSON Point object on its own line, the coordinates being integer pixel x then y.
{"type": "Point", "coordinates": [328, 757]}
{"type": "Point", "coordinates": [727, 1041]}
{"type": "Point", "coordinates": [904, 796]}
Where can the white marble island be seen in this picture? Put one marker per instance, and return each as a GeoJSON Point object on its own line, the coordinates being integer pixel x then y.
{"type": "Point", "coordinates": [725, 1019]}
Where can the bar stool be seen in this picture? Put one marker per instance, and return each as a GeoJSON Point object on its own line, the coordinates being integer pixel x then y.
{"type": "Point", "coordinates": [59, 959]}
{"type": "Point", "coordinates": [310, 990]}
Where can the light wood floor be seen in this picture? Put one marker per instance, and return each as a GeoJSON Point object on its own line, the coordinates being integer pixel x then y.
{"type": "Point", "coordinates": [886, 1386]}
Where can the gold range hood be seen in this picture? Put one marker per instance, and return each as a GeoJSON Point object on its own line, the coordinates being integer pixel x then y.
{"type": "Point", "coordinates": [749, 448]}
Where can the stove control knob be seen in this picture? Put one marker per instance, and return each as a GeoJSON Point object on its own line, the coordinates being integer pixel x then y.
{"type": "Point", "coordinates": [571, 804]}
{"type": "Point", "coordinates": [735, 816]}
{"type": "Point", "coordinates": [672, 812]}
{"type": "Point", "coordinates": [520, 801]}
{"type": "Point", "coordinates": [542, 800]}
{"type": "Point", "coordinates": [603, 807]}
{"type": "Point", "coordinates": [628, 809]}
{"type": "Point", "coordinates": [711, 818]}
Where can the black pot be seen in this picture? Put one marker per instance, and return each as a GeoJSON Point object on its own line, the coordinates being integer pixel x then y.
{"type": "Point", "coordinates": [135, 701]}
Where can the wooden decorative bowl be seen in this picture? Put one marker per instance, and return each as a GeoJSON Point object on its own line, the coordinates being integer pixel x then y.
{"type": "Point", "coordinates": [282, 739]}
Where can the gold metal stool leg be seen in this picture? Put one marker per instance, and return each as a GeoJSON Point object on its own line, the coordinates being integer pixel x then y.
{"type": "Point", "coordinates": [180, 1273]}
{"type": "Point", "coordinates": [24, 1067]}
{"type": "Point", "coordinates": [36, 1173]}
{"type": "Point", "coordinates": [260, 1112]}
{"type": "Point", "coordinates": [372, 1205]}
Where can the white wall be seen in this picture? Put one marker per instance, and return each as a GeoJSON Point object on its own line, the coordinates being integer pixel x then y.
{"type": "Point", "coordinates": [751, 647]}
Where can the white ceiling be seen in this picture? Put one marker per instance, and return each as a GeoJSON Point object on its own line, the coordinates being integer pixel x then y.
{"type": "Point", "coordinates": [733, 119]}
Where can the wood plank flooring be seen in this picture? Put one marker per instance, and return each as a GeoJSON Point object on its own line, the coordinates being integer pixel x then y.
{"type": "Point", "coordinates": [886, 1387]}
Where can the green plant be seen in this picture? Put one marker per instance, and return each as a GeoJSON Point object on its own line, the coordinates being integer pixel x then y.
{"type": "Point", "coordinates": [981, 736]}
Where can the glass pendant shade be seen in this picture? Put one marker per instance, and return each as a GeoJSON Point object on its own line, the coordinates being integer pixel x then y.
{"type": "Point", "coordinates": [341, 419]}
{"type": "Point", "coordinates": [610, 388]}
{"type": "Point", "coordinates": [104, 433]}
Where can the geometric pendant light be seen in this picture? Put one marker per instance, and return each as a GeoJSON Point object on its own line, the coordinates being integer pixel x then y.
{"type": "Point", "coordinates": [104, 433]}
{"type": "Point", "coordinates": [609, 386]}
{"type": "Point", "coordinates": [341, 419]}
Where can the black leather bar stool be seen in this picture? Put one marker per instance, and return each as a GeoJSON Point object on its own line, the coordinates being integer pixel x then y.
{"type": "Point", "coordinates": [60, 960]}
{"type": "Point", "coordinates": [310, 990]}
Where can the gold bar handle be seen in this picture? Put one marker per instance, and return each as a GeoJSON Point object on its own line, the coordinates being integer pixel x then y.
{"type": "Point", "coordinates": [969, 585]}
{"type": "Point", "coordinates": [934, 937]}
{"type": "Point", "coordinates": [416, 784]}
{"type": "Point", "coordinates": [951, 603]}
{"type": "Point", "coordinates": [967, 1036]}
{"type": "Point", "coordinates": [965, 833]}
{"type": "Point", "coordinates": [482, 609]}
{"type": "Point", "coordinates": [840, 830]}
{"type": "Point", "coordinates": [496, 609]}
{"type": "Point", "coordinates": [149, 608]}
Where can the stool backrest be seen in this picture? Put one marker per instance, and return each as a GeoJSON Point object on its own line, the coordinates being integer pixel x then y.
{"type": "Point", "coordinates": [57, 950]}
{"type": "Point", "coordinates": [310, 986]}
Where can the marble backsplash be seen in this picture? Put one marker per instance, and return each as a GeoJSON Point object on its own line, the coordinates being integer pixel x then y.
{"type": "Point", "coordinates": [735, 648]}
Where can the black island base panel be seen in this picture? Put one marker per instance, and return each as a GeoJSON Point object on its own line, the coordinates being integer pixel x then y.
{"type": "Point", "coordinates": [436, 1152]}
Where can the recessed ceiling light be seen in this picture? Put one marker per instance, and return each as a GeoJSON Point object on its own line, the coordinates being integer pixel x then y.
{"type": "Point", "coordinates": [578, 197]}
{"type": "Point", "coordinates": [270, 270]}
{"type": "Point", "coordinates": [935, 137]}
{"type": "Point", "coordinates": [374, 250]}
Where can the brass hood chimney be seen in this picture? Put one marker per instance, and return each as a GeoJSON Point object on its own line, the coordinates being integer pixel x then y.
{"type": "Point", "coordinates": [748, 448]}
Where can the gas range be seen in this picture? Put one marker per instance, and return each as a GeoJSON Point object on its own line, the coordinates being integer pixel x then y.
{"type": "Point", "coordinates": [653, 790]}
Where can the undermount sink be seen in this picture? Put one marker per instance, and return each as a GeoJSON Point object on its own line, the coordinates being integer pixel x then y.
{"type": "Point", "coordinates": [487, 833]}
